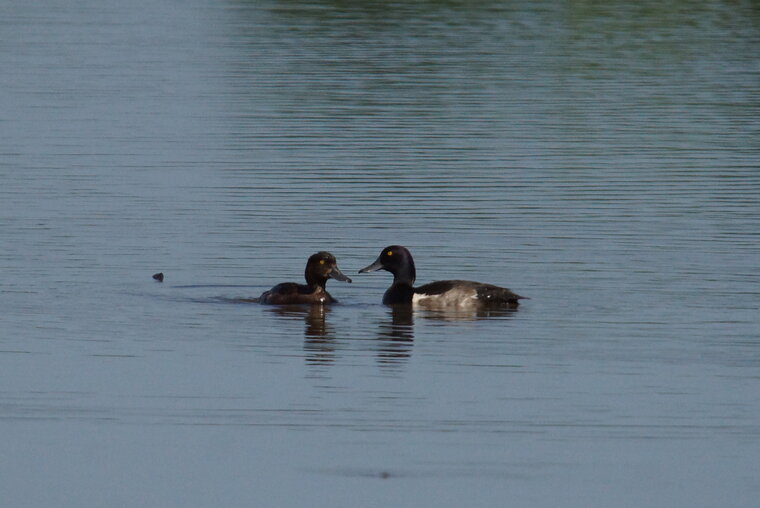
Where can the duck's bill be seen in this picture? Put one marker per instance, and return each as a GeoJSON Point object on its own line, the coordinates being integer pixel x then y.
{"type": "Point", "coordinates": [336, 274]}
{"type": "Point", "coordinates": [377, 265]}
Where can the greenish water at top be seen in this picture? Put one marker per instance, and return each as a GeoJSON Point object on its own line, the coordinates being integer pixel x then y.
{"type": "Point", "coordinates": [599, 157]}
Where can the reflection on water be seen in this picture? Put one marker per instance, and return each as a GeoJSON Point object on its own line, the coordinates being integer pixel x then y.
{"type": "Point", "coordinates": [395, 328]}
{"type": "Point", "coordinates": [601, 157]}
{"type": "Point", "coordinates": [468, 314]}
{"type": "Point", "coordinates": [319, 337]}
{"type": "Point", "coordinates": [396, 336]}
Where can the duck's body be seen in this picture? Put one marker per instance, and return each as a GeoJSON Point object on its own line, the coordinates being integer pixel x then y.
{"type": "Point", "coordinates": [320, 267]}
{"type": "Point", "coordinates": [288, 293]}
{"type": "Point", "coordinates": [444, 293]}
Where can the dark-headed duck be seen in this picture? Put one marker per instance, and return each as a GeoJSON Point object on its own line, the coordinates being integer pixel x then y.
{"type": "Point", "coordinates": [320, 267]}
{"type": "Point", "coordinates": [444, 293]}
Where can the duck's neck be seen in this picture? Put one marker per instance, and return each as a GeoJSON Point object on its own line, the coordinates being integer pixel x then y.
{"type": "Point", "coordinates": [405, 275]}
{"type": "Point", "coordinates": [401, 293]}
{"type": "Point", "coordinates": [315, 282]}
{"type": "Point", "coordinates": [402, 289]}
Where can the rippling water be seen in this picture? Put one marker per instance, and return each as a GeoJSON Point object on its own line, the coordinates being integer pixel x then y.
{"type": "Point", "coordinates": [602, 159]}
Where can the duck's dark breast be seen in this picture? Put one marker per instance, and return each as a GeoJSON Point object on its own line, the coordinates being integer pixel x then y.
{"type": "Point", "coordinates": [290, 292]}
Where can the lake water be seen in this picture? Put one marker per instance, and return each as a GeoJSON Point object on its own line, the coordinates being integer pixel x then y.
{"type": "Point", "coordinates": [601, 158]}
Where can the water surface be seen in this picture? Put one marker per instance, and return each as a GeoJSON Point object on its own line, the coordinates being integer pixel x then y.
{"type": "Point", "coordinates": [600, 159]}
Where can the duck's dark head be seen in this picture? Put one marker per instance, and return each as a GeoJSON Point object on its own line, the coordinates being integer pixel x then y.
{"type": "Point", "coordinates": [322, 266]}
{"type": "Point", "coordinates": [397, 260]}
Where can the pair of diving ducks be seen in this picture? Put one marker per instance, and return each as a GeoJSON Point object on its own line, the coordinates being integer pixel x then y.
{"type": "Point", "coordinates": [397, 260]}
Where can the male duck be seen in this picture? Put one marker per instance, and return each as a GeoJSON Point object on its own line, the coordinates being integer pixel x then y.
{"type": "Point", "coordinates": [320, 267]}
{"type": "Point", "coordinates": [455, 293]}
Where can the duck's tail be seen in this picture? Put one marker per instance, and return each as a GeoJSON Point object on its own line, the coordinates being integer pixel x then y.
{"type": "Point", "coordinates": [494, 295]}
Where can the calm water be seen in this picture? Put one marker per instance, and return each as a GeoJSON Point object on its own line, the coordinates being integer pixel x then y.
{"type": "Point", "coordinates": [603, 159]}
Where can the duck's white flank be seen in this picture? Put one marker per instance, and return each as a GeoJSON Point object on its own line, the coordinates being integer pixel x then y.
{"type": "Point", "coordinates": [456, 297]}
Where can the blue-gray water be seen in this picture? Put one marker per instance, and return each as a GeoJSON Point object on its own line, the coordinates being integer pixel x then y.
{"type": "Point", "coordinates": [601, 158]}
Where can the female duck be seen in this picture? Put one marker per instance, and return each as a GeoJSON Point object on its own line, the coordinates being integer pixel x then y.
{"type": "Point", "coordinates": [456, 293]}
{"type": "Point", "coordinates": [320, 267]}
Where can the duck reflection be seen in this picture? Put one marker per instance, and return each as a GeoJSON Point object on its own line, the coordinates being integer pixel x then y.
{"type": "Point", "coordinates": [468, 313]}
{"type": "Point", "coordinates": [396, 336]}
{"type": "Point", "coordinates": [395, 332]}
{"type": "Point", "coordinates": [319, 336]}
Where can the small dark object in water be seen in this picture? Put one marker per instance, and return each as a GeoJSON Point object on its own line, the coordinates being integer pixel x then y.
{"type": "Point", "coordinates": [159, 276]}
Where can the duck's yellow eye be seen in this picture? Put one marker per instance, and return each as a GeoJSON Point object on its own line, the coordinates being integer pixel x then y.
{"type": "Point", "coordinates": [321, 261]}
{"type": "Point", "coordinates": [389, 253]}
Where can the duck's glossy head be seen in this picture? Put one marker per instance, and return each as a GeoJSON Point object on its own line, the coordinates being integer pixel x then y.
{"type": "Point", "coordinates": [397, 260]}
{"type": "Point", "coordinates": [322, 266]}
